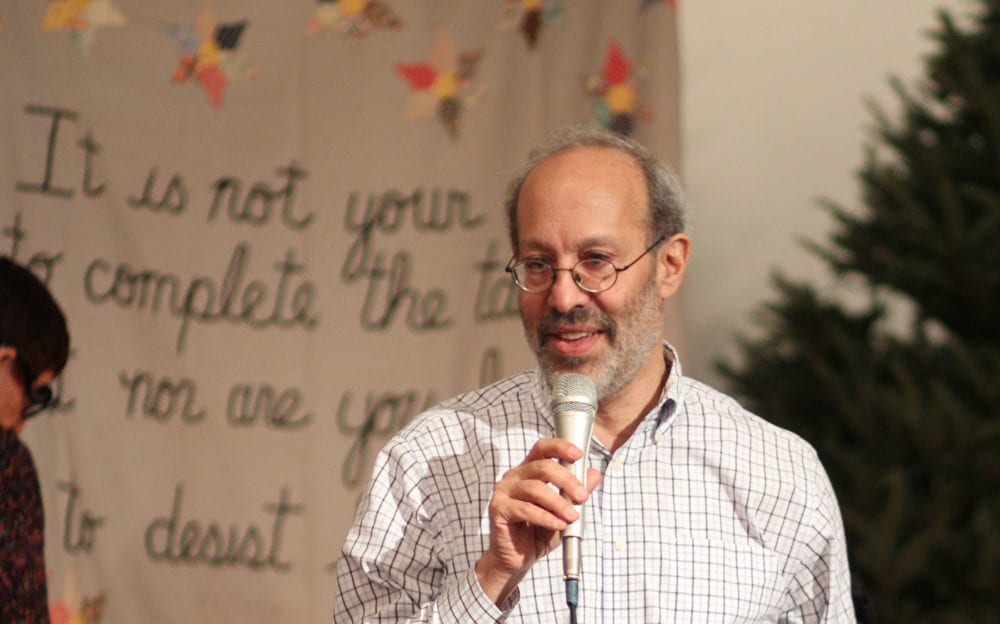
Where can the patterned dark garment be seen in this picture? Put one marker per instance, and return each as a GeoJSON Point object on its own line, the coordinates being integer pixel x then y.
{"type": "Point", "coordinates": [23, 596]}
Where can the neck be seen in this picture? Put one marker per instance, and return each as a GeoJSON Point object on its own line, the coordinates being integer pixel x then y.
{"type": "Point", "coordinates": [620, 415]}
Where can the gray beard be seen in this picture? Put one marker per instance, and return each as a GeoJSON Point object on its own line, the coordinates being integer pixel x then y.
{"type": "Point", "coordinates": [628, 347]}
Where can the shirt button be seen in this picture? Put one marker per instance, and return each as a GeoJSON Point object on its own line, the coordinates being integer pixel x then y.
{"type": "Point", "coordinates": [658, 437]}
{"type": "Point", "coordinates": [617, 466]}
{"type": "Point", "coordinates": [620, 544]}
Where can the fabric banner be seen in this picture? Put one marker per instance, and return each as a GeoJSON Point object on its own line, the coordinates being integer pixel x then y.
{"type": "Point", "coordinates": [276, 230]}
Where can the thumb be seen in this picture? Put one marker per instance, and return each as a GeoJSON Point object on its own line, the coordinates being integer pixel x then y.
{"type": "Point", "coordinates": [593, 479]}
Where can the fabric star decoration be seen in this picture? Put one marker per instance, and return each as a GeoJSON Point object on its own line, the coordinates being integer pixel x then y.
{"type": "Point", "coordinates": [645, 4]}
{"type": "Point", "coordinates": [75, 608]}
{"type": "Point", "coordinates": [531, 15]}
{"type": "Point", "coordinates": [616, 104]}
{"type": "Point", "coordinates": [81, 18]}
{"type": "Point", "coordinates": [355, 18]}
{"type": "Point", "coordinates": [443, 86]}
{"type": "Point", "coordinates": [208, 54]}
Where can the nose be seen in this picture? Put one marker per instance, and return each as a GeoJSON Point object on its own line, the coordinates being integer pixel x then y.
{"type": "Point", "coordinates": [565, 294]}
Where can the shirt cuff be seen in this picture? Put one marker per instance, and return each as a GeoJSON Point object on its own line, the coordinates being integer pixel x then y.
{"type": "Point", "coordinates": [465, 601]}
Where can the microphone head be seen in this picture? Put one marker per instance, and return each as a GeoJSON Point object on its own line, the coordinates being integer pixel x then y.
{"type": "Point", "coordinates": [574, 392]}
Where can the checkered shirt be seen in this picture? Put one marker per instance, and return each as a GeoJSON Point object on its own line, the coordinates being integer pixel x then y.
{"type": "Point", "coordinates": [706, 514]}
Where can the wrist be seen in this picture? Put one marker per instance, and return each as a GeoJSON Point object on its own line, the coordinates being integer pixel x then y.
{"type": "Point", "coordinates": [496, 582]}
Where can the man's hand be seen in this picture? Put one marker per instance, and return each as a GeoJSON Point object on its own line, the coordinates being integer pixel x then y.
{"type": "Point", "coordinates": [526, 515]}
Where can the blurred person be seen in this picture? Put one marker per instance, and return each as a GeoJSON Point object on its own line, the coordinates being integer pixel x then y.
{"type": "Point", "coordinates": [34, 347]}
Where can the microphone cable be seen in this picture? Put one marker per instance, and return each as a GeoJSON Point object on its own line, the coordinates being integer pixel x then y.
{"type": "Point", "coordinates": [572, 589]}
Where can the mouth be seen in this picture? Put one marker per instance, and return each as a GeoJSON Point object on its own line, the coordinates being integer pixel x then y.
{"type": "Point", "coordinates": [576, 334]}
{"type": "Point", "coordinates": [572, 342]}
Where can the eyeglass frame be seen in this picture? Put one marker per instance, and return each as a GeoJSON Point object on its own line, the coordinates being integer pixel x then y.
{"type": "Point", "coordinates": [513, 262]}
{"type": "Point", "coordinates": [40, 398]}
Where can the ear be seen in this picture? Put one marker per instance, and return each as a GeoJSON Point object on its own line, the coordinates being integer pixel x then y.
{"type": "Point", "coordinates": [7, 351]}
{"type": "Point", "coordinates": [672, 257]}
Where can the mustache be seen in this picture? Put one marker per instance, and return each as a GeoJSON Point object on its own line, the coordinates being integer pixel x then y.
{"type": "Point", "coordinates": [555, 320]}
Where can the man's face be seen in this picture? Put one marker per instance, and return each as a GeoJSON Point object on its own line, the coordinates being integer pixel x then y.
{"type": "Point", "coordinates": [585, 203]}
{"type": "Point", "coordinates": [13, 394]}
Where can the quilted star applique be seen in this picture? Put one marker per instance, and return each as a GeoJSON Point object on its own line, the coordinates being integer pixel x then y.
{"type": "Point", "coordinates": [354, 18]}
{"type": "Point", "coordinates": [75, 608]}
{"type": "Point", "coordinates": [81, 18]}
{"type": "Point", "coordinates": [531, 16]}
{"type": "Point", "coordinates": [208, 54]}
{"type": "Point", "coordinates": [443, 86]}
{"type": "Point", "coordinates": [616, 104]}
{"type": "Point", "coordinates": [645, 4]}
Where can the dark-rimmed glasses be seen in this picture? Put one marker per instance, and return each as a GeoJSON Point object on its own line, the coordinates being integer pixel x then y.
{"type": "Point", "coordinates": [593, 275]}
{"type": "Point", "coordinates": [40, 398]}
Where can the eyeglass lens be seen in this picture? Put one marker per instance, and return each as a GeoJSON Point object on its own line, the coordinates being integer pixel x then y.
{"type": "Point", "coordinates": [39, 398]}
{"type": "Point", "coordinates": [591, 274]}
{"type": "Point", "coordinates": [594, 275]}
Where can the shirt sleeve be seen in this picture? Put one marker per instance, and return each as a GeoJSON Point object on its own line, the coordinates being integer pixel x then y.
{"type": "Point", "coordinates": [821, 585]}
{"type": "Point", "coordinates": [391, 568]}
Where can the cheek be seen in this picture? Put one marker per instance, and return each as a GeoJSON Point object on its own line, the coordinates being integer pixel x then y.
{"type": "Point", "coordinates": [531, 307]}
{"type": "Point", "coordinates": [10, 412]}
{"type": "Point", "coordinates": [616, 306]}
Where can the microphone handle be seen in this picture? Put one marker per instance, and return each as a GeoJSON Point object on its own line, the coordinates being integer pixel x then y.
{"type": "Point", "coordinates": [572, 536]}
{"type": "Point", "coordinates": [579, 470]}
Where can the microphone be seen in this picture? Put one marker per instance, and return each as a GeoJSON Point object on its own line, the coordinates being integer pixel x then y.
{"type": "Point", "coordinates": [574, 405]}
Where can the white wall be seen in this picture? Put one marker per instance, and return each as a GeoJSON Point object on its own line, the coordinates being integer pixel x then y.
{"type": "Point", "coordinates": [773, 117]}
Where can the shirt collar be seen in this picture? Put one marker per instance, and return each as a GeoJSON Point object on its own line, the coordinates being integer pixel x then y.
{"type": "Point", "coordinates": [672, 393]}
{"type": "Point", "coordinates": [670, 397]}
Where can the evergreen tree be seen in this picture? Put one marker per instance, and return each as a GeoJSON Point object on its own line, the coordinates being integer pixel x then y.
{"type": "Point", "coordinates": [906, 415]}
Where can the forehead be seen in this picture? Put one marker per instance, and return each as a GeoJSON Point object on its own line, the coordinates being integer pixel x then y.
{"type": "Point", "coordinates": [583, 193]}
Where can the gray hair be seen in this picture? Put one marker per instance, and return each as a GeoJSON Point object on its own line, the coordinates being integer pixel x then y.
{"type": "Point", "coordinates": [667, 204]}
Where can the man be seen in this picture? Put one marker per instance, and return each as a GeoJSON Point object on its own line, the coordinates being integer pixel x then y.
{"type": "Point", "coordinates": [34, 347]}
{"type": "Point", "coordinates": [696, 510]}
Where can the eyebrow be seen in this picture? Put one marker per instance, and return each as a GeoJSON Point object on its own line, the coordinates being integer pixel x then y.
{"type": "Point", "coordinates": [587, 243]}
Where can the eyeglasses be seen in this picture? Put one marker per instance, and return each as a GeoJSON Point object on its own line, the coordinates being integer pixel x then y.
{"type": "Point", "coordinates": [40, 398]}
{"type": "Point", "coordinates": [593, 275]}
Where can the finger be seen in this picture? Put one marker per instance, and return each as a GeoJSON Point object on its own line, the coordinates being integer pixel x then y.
{"type": "Point", "coordinates": [549, 472]}
{"type": "Point", "coordinates": [519, 511]}
{"type": "Point", "coordinates": [554, 448]}
{"type": "Point", "coordinates": [594, 479]}
{"type": "Point", "coordinates": [537, 494]}
{"type": "Point", "coordinates": [510, 495]}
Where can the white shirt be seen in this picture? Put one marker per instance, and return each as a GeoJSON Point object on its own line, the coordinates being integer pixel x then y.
{"type": "Point", "coordinates": [706, 514]}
